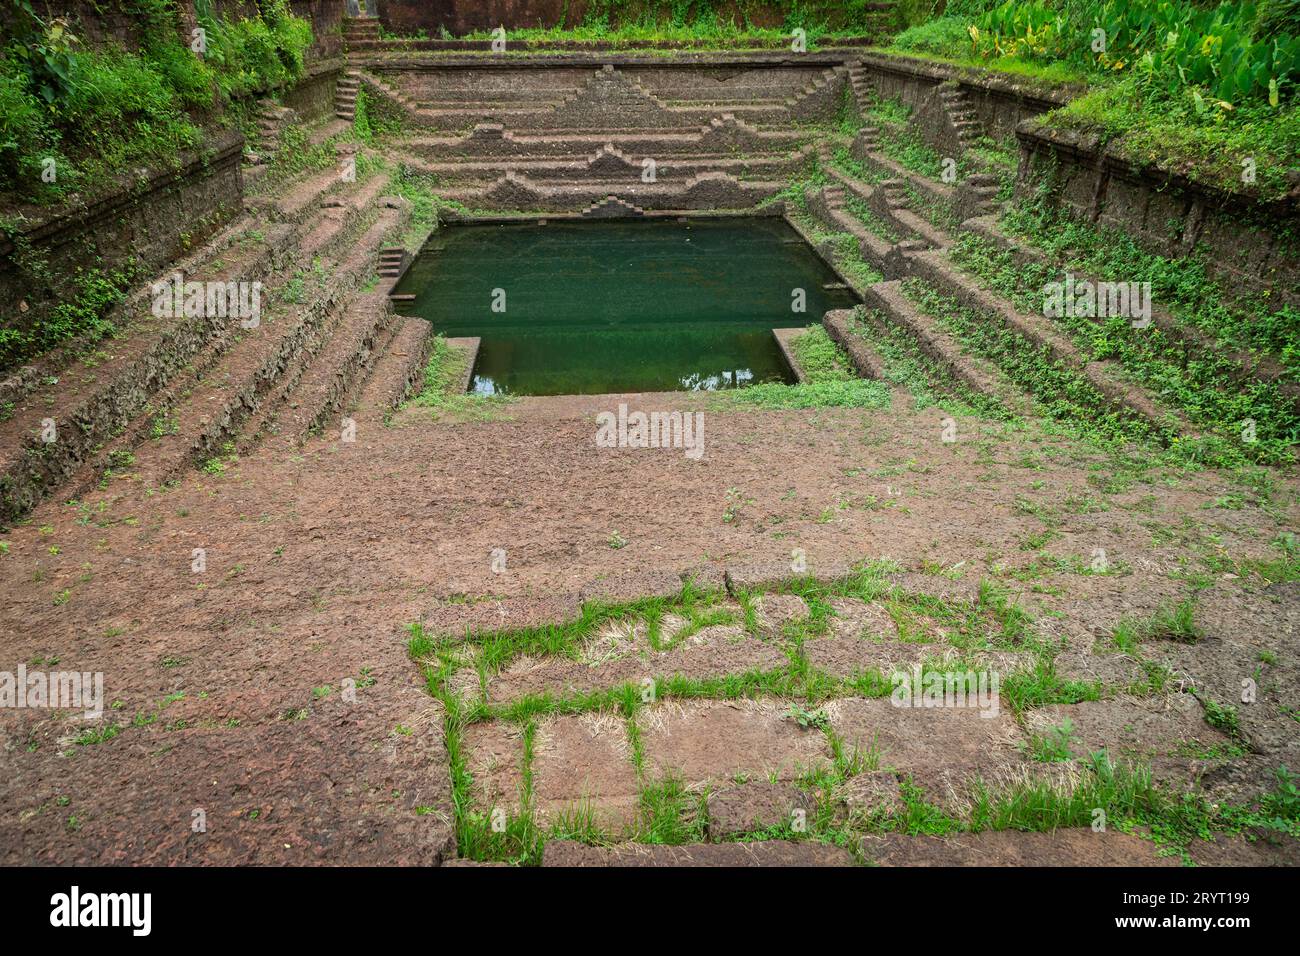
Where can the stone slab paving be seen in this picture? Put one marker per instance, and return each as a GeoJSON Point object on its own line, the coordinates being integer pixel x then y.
{"type": "Point", "coordinates": [360, 783]}
{"type": "Point", "coordinates": [855, 618]}
{"type": "Point", "coordinates": [862, 636]}
{"type": "Point", "coordinates": [493, 752]}
{"type": "Point", "coordinates": [1075, 847]}
{"type": "Point", "coordinates": [1131, 727]}
{"type": "Point", "coordinates": [756, 805]}
{"type": "Point", "coordinates": [916, 739]}
{"type": "Point", "coordinates": [766, 853]}
{"type": "Point", "coordinates": [870, 792]}
{"type": "Point", "coordinates": [943, 751]}
{"type": "Point", "coordinates": [583, 765]}
{"type": "Point", "coordinates": [774, 611]}
{"type": "Point", "coordinates": [713, 651]}
{"type": "Point", "coordinates": [719, 740]}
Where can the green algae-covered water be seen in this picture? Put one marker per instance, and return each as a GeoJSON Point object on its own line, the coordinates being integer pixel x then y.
{"type": "Point", "coordinates": [589, 307]}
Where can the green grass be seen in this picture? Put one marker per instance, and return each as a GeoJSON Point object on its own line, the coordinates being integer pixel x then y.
{"type": "Point", "coordinates": [1239, 317]}
{"type": "Point", "coordinates": [84, 316]}
{"type": "Point", "coordinates": [901, 141]}
{"type": "Point", "coordinates": [1059, 391]}
{"type": "Point", "coordinates": [440, 390]}
{"type": "Point", "coordinates": [1177, 132]}
{"type": "Point", "coordinates": [822, 360]}
{"type": "Point", "coordinates": [1202, 386]}
{"type": "Point", "coordinates": [1198, 105]}
{"type": "Point", "coordinates": [862, 212]}
{"type": "Point", "coordinates": [670, 813]}
{"type": "Point", "coordinates": [1284, 568]}
{"type": "Point", "coordinates": [856, 393]}
{"type": "Point", "coordinates": [700, 21]}
{"type": "Point", "coordinates": [1053, 746]}
{"type": "Point", "coordinates": [100, 110]}
{"type": "Point", "coordinates": [908, 367]}
{"type": "Point", "coordinates": [1169, 622]}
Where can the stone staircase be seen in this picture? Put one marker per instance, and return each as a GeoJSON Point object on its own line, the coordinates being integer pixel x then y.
{"type": "Point", "coordinates": [913, 253]}
{"type": "Point", "coordinates": [391, 261]}
{"type": "Point", "coordinates": [397, 372]}
{"type": "Point", "coordinates": [178, 392]}
{"type": "Point", "coordinates": [360, 32]}
{"type": "Point", "coordinates": [956, 105]}
{"type": "Point", "coordinates": [860, 84]}
{"type": "Point", "coordinates": [345, 95]}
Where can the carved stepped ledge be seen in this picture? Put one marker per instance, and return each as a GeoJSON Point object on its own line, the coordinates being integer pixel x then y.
{"type": "Point", "coordinates": [976, 374]}
{"type": "Point", "coordinates": [611, 99]}
{"type": "Point", "coordinates": [706, 190]}
{"type": "Point", "coordinates": [961, 115]}
{"type": "Point", "coordinates": [611, 207]}
{"type": "Point", "coordinates": [399, 367]}
{"type": "Point", "coordinates": [272, 119]}
{"type": "Point", "coordinates": [892, 212]}
{"type": "Point", "coordinates": [155, 360]}
{"type": "Point", "coordinates": [865, 360]}
{"type": "Point", "coordinates": [723, 134]}
{"type": "Point", "coordinates": [827, 78]}
{"type": "Point", "coordinates": [612, 165]}
{"type": "Point", "coordinates": [391, 261]}
{"type": "Point", "coordinates": [938, 271]}
{"type": "Point", "coordinates": [1243, 366]}
{"type": "Point", "coordinates": [363, 30]}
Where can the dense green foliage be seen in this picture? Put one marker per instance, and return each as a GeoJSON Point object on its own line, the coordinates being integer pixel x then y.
{"type": "Point", "coordinates": [1235, 52]}
{"type": "Point", "coordinates": [95, 112]}
{"type": "Point", "coordinates": [1187, 87]}
{"type": "Point", "coordinates": [1188, 134]}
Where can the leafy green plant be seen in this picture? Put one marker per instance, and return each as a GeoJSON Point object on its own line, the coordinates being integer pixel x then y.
{"type": "Point", "coordinates": [946, 36]}
{"type": "Point", "coordinates": [1222, 716]}
{"type": "Point", "coordinates": [1053, 746]}
{"type": "Point", "coordinates": [97, 111]}
{"type": "Point", "coordinates": [808, 719]}
{"type": "Point", "coordinates": [1170, 45]}
{"type": "Point", "coordinates": [1283, 803]}
{"type": "Point", "coordinates": [46, 52]}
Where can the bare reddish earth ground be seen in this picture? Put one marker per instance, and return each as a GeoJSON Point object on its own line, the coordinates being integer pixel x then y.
{"type": "Point", "coordinates": [318, 557]}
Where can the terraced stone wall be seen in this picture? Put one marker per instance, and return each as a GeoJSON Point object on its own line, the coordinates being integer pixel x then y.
{"type": "Point", "coordinates": [1252, 243]}
{"type": "Point", "coordinates": [998, 103]}
{"type": "Point", "coordinates": [151, 221]}
{"type": "Point", "coordinates": [313, 98]}
{"type": "Point", "coordinates": [565, 133]}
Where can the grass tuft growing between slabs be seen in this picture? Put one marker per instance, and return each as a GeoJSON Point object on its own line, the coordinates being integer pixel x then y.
{"type": "Point", "coordinates": [1175, 622]}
